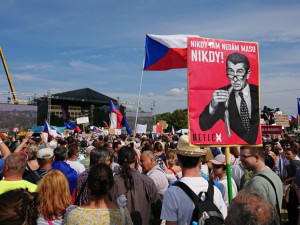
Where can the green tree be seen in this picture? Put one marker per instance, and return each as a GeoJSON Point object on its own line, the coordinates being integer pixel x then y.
{"type": "Point", "coordinates": [178, 119]}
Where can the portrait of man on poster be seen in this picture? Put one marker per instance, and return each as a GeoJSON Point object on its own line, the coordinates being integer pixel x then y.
{"type": "Point", "coordinates": [236, 104]}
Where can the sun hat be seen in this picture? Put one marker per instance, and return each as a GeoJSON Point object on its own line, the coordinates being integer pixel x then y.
{"type": "Point", "coordinates": [45, 153]}
{"type": "Point", "coordinates": [184, 148]}
{"type": "Point", "coordinates": [219, 160]}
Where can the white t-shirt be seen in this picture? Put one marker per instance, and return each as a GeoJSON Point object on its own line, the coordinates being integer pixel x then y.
{"type": "Point", "coordinates": [77, 166]}
{"type": "Point", "coordinates": [159, 178]}
{"type": "Point", "coordinates": [177, 205]}
{"type": "Point", "coordinates": [224, 186]}
{"type": "Point", "coordinates": [171, 177]}
{"type": "Point", "coordinates": [237, 172]}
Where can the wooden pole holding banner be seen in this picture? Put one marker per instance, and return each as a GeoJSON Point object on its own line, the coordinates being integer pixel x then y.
{"type": "Point", "coordinates": [138, 105]}
{"type": "Point", "coordinates": [228, 170]}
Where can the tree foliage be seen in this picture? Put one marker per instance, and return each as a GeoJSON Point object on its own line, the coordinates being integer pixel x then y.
{"type": "Point", "coordinates": [178, 119]}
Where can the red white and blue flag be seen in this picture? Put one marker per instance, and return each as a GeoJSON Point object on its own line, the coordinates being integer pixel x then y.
{"type": "Point", "coordinates": [96, 129]}
{"type": "Point", "coordinates": [105, 124]}
{"type": "Point", "coordinates": [165, 52]}
{"type": "Point", "coordinates": [172, 131]}
{"type": "Point", "coordinates": [51, 132]}
{"type": "Point", "coordinates": [115, 116]}
{"type": "Point", "coordinates": [72, 126]}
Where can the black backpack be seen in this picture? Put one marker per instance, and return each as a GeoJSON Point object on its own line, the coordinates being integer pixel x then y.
{"type": "Point", "coordinates": [205, 212]}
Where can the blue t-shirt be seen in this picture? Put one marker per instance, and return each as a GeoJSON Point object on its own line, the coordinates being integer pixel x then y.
{"type": "Point", "coordinates": [205, 177]}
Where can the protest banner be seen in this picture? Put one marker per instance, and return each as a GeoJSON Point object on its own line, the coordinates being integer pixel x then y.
{"type": "Point", "coordinates": [282, 120]}
{"type": "Point", "coordinates": [141, 128]}
{"type": "Point", "coordinates": [223, 92]}
{"type": "Point", "coordinates": [163, 123]}
{"type": "Point", "coordinates": [112, 131]}
{"type": "Point", "coordinates": [271, 129]}
{"type": "Point", "coordinates": [82, 120]}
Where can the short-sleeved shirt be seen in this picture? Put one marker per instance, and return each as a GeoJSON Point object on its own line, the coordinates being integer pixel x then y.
{"type": "Point", "coordinates": [262, 184]}
{"type": "Point", "coordinates": [12, 185]}
{"type": "Point", "coordinates": [177, 206]}
{"type": "Point", "coordinates": [98, 216]}
{"type": "Point", "coordinates": [77, 166]}
{"type": "Point", "coordinates": [160, 179]}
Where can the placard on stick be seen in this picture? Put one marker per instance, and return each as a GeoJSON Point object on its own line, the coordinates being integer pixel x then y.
{"type": "Point", "coordinates": [282, 120]}
{"type": "Point", "coordinates": [223, 92]}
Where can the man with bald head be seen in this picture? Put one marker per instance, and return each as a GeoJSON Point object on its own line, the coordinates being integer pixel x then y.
{"type": "Point", "coordinates": [154, 171]}
{"type": "Point", "coordinates": [14, 167]}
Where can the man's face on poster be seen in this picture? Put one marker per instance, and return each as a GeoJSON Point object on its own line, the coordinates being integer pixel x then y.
{"type": "Point", "coordinates": [237, 75]}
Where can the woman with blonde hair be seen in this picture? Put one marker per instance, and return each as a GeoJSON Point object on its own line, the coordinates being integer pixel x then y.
{"type": "Point", "coordinates": [54, 195]}
{"type": "Point", "coordinates": [173, 172]}
{"type": "Point", "coordinates": [32, 163]}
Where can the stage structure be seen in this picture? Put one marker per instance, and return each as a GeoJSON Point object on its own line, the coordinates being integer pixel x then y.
{"type": "Point", "coordinates": [71, 104]}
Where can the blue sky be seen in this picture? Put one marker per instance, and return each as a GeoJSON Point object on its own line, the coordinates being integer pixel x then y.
{"type": "Point", "coordinates": [66, 45]}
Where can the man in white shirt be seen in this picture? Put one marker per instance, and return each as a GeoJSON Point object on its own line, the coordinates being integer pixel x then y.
{"type": "Point", "coordinates": [154, 171]}
{"type": "Point", "coordinates": [177, 206]}
{"type": "Point", "coordinates": [73, 154]}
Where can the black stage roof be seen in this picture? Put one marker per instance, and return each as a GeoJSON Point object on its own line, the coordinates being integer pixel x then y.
{"type": "Point", "coordinates": [84, 96]}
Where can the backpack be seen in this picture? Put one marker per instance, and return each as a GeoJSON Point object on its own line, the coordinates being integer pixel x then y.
{"type": "Point", "coordinates": [246, 177]}
{"type": "Point", "coordinates": [205, 212]}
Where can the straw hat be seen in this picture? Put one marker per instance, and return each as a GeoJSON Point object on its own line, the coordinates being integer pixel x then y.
{"type": "Point", "coordinates": [184, 148]}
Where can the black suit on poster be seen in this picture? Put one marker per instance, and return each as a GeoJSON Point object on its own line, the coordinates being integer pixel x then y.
{"type": "Point", "coordinates": [207, 121]}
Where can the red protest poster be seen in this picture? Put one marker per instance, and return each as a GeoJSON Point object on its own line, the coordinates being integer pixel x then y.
{"type": "Point", "coordinates": [223, 92]}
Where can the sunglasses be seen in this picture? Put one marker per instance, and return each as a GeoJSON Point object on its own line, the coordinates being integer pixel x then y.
{"type": "Point", "coordinates": [246, 156]}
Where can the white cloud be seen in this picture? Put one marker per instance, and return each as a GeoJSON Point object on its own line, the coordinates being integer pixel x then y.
{"type": "Point", "coordinates": [36, 66]}
{"type": "Point", "coordinates": [95, 56]}
{"type": "Point", "coordinates": [25, 77]}
{"type": "Point", "coordinates": [176, 92]}
{"type": "Point", "coordinates": [79, 65]}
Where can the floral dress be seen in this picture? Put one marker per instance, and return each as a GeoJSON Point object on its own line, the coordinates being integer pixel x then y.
{"type": "Point", "coordinates": [99, 216]}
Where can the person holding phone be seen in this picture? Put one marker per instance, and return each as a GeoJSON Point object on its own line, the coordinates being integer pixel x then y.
{"type": "Point", "coordinates": [237, 103]}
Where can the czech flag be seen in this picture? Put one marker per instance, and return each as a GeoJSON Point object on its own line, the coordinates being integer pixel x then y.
{"type": "Point", "coordinates": [115, 116]}
{"type": "Point", "coordinates": [51, 132]}
{"type": "Point", "coordinates": [105, 124]}
{"type": "Point", "coordinates": [96, 129]}
{"type": "Point", "coordinates": [72, 126]}
{"type": "Point", "coordinates": [124, 123]}
{"type": "Point", "coordinates": [165, 52]}
{"type": "Point", "coordinates": [172, 131]}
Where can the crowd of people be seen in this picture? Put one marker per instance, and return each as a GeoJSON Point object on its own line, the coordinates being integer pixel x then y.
{"type": "Point", "coordinates": [125, 179]}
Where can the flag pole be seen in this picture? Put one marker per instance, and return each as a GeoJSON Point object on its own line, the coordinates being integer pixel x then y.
{"type": "Point", "coordinates": [138, 104]}
{"type": "Point", "coordinates": [228, 170]}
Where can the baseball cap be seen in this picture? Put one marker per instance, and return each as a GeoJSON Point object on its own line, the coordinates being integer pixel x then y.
{"type": "Point", "coordinates": [219, 160]}
{"type": "Point", "coordinates": [45, 153]}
